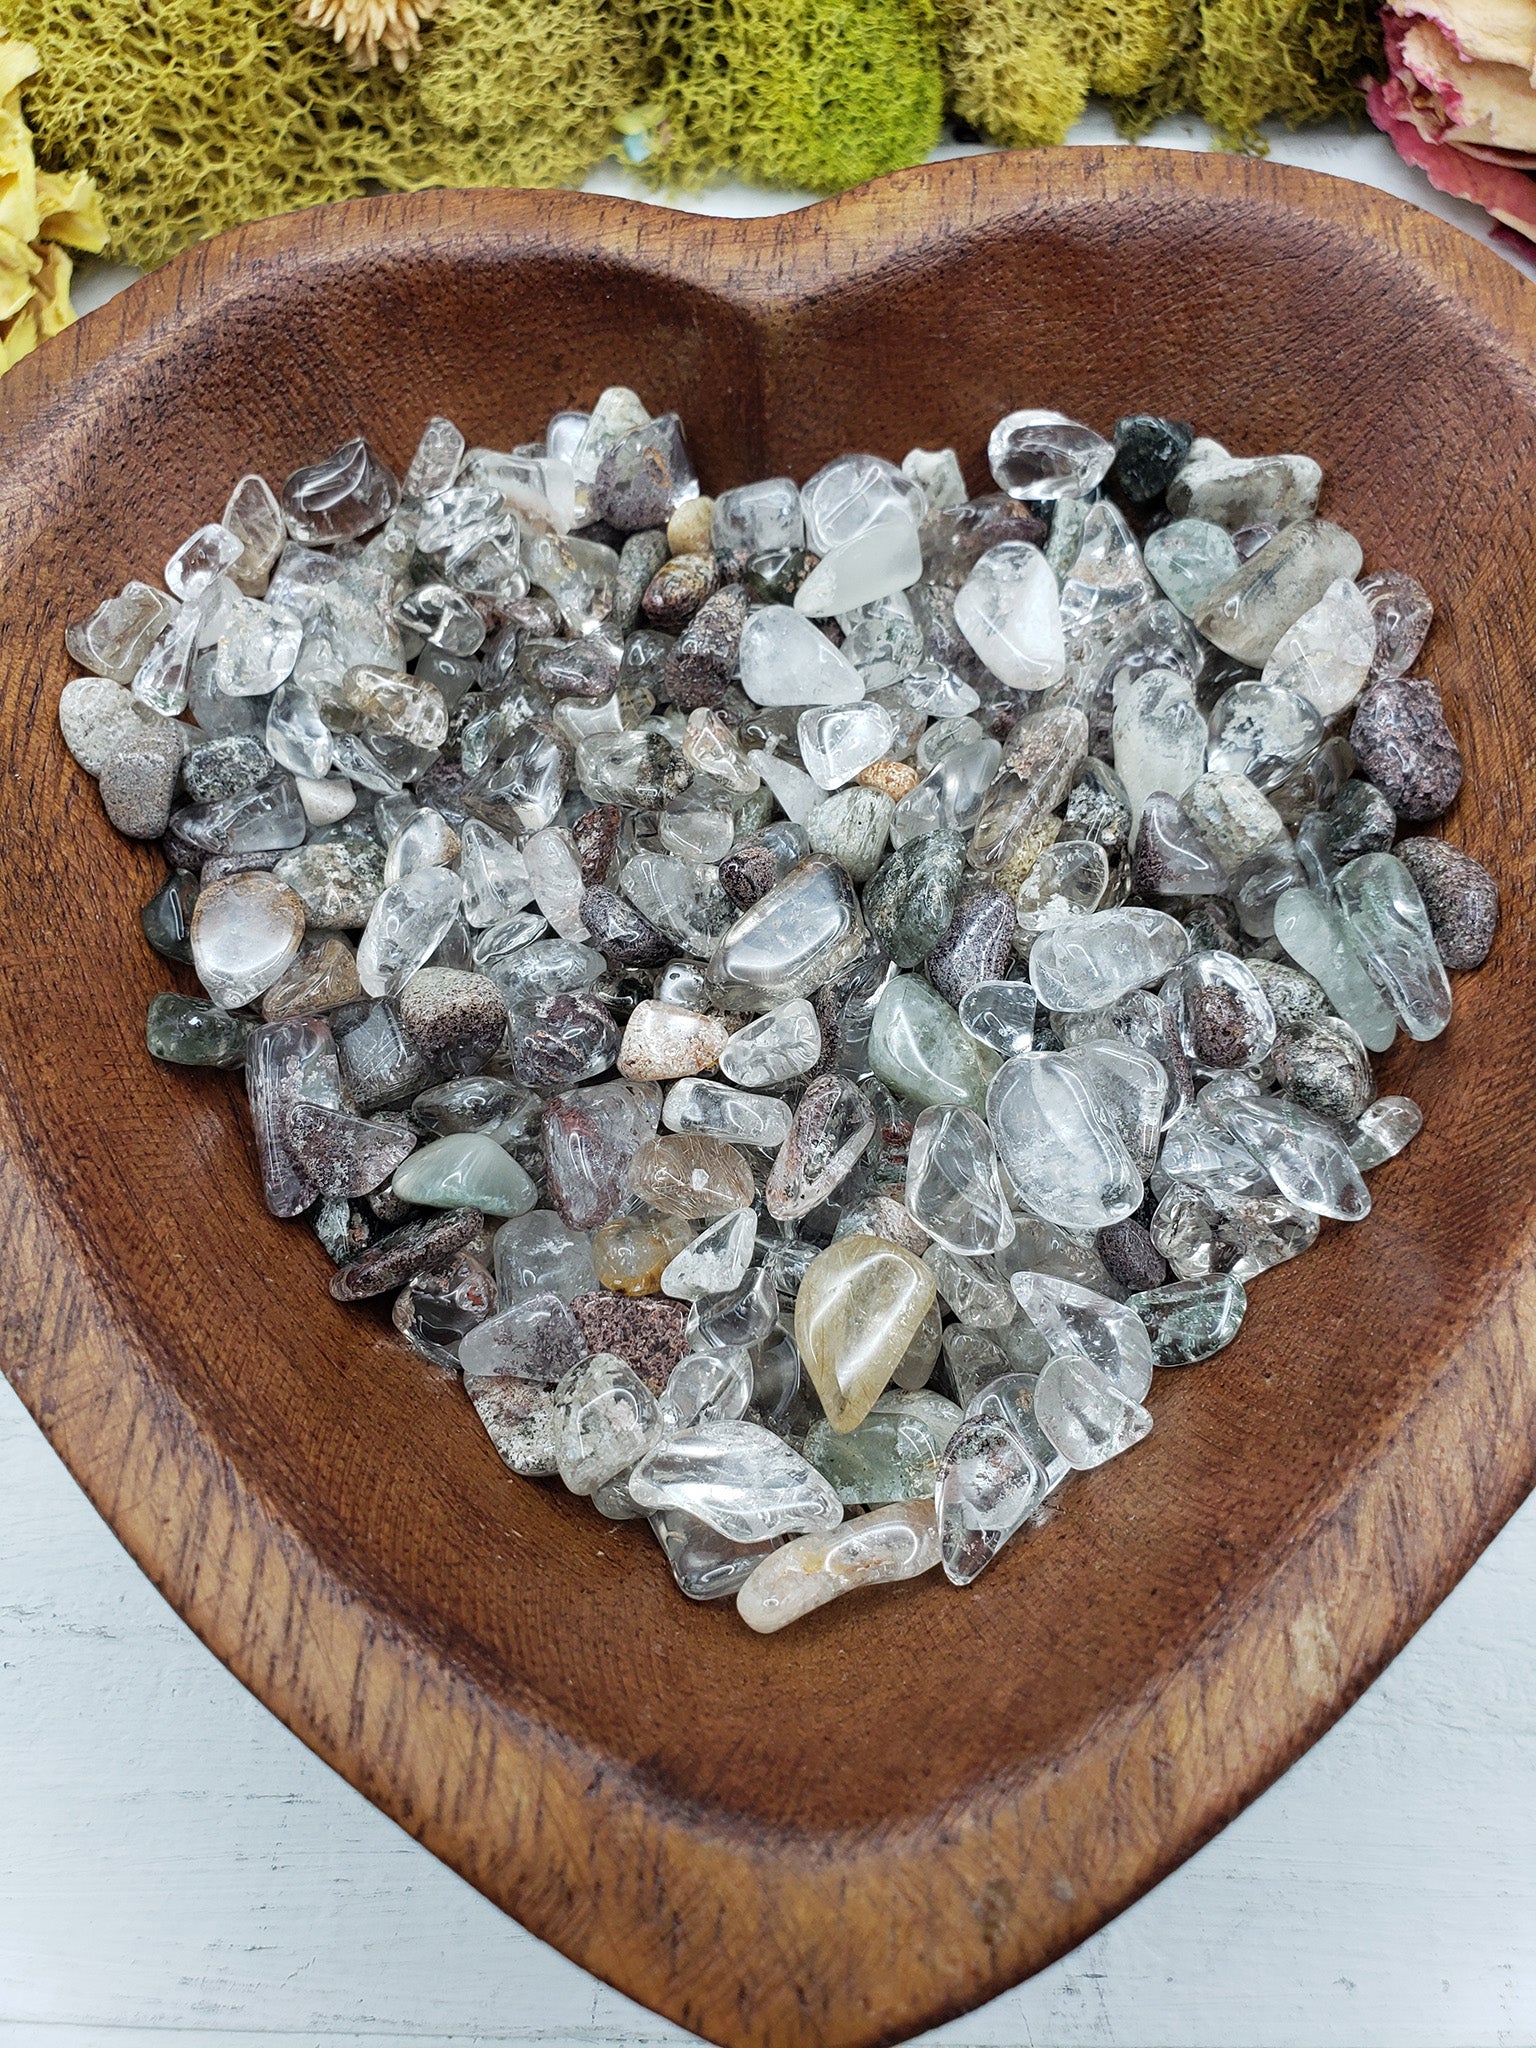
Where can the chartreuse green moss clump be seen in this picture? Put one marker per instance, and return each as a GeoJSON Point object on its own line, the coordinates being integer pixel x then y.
{"type": "Point", "coordinates": [812, 93]}
{"type": "Point", "coordinates": [195, 115]}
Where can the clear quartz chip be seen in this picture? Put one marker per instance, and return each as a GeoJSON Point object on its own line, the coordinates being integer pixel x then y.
{"type": "Point", "coordinates": [746, 1483]}
{"type": "Point", "coordinates": [1085, 1415]}
{"type": "Point", "coordinates": [1044, 455]}
{"type": "Point", "coordinates": [1009, 610]}
{"type": "Point", "coordinates": [1391, 927]}
{"type": "Point", "coordinates": [342, 498]}
{"type": "Point", "coordinates": [1056, 1144]}
{"type": "Point", "coordinates": [786, 660]}
{"type": "Point", "coordinates": [853, 494]}
{"type": "Point", "coordinates": [255, 518]}
{"type": "Point", "coordinates": [405, 927]}
{"type": "Point", "coordinates": [953, 1186]}
{"type": "Point", "coordinates": [778, 1045]}
{"type": "Point", "coordinates": [117, 636]}
{"type": "Point", "coordinates": [1085, 963]}
{"type": "Point", "coordinates": [990, 1485]}
{"type": "Point", "coordinates": [880, 1549]}
{"type": "Point", "coordinates": [606, 1419]}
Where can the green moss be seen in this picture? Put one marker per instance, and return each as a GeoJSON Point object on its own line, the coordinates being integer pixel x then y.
{"type": "Point", "coordinates": [812, 93]}
{"type": "Point", "coordinates": [195, 115]}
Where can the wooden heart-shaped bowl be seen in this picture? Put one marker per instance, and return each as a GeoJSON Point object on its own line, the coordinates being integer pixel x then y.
{"type": "Point", "coordinates": [916, 1797]}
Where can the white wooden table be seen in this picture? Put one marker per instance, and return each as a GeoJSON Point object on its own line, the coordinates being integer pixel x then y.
{"type": "Point", "coordinates": [175, 1866]}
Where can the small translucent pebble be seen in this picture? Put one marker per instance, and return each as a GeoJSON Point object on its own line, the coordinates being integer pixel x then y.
{"type": "Point", "coordinates": [465, 1172]}
{"type": "Point", "coordinates": [783, 1042]}
{"type": "Point", "coordinates": [784, 659]}
{"type": "Point", "coordinates": [1189, 559]}
{"type": "Point", "coordinates": [405, 927]}
{"type": "Point", "coordinates": [589, 1136]}
{"type": "Point", "coordinates": [1001, 1016]}
{"type": "Point", "coordinates": [746, 1483]}
{"type": "Point", "coordinates": [853, 828]}
{"type": "Point", "coordinates": [1264, 731]}
{"type": "Point", "coordinates": [859, 1307]}
{"type": "Point", "coordinates": [1321, 940]}
{"type": "Point", "coordinates": [1239, 491]}
{"type": "Point", "coordinates": [1009, 610]}
{"type": "Point", "coordinates": [792, 941]}
{"type": "Point", "coordinates": [195, 1034]}
{"type": "Point", "coordinates": [255, 518]}
{"type": "Point", "coordinates": [538, 1340]}
{"type": "Point", "coordinates": [837, 741]}
{"type": "Point", "coordinates": [1085, 1415]}
{"type": "Point", "coordinates": [953, 1187]}
{"type": "Point", "coordinates": [707, 1386]}
{"type": "Point", "coordinates": [706, 1109]}
{"type": "Point", "coordinates": [1247, 614]}
{"type": "Point", "coordinates": [426, 840]}
{"type": "Point", "coordinates": [630, 1253]}
{"type": "Point", "coordinates": [862, 573]}
{"type": "Point", "coordinates": [990, 1484]}
{"type": "Point", "coordinates": [1326, 656]}
{"type": "Point", "coordinates": [892, 1455]}
{"type": "Point", "coordinates": [1303, 1154]}
{"type": "Point", "coordinates": [1190, 1320]}
{"type": "Point", "coordinates": [691, 1176]}
{"type": "Point", "coordinates": [705, 1566]}
{"type": "Point", "coordinates": [1043, 455]}
{"type": "Point", "coordinates": [851, 495]}
{"type": "Point", "coordinates": [341, 498]}
{"type": "Point", "coordinates": [829, 1133]}
{"type": "Point", "coordinates": [286, 1064]}
{"type": "Point", "coordinates": [117, 636]}
{"type": "Point", "coordinates": [1401, 613]}
{"type": "Point", "coordinates": [605, 1419]}
{"type": "Point", "coordinates": [919, 1049]}
{"type": "Point", "coordinates": [1077, 1320]}
{"type": "Point", "coordinates": [538, 1253]}
{"type": "Point", "coordinates": [1383, 1130]}
{"type": "Point", "coordinates": [245, 930]}
{"type": "Point", "coordinates": [257, 648]}
{"type": "Point", "coordinates": [519, 1420]}
{"type": "Point", "coordinates": [137, 781]}
{"type": "Point", "coordinates": [912, 897]}
{"type": "Point", "coordinates": [663, 1041]}
{"type": "Point", "coordinates": [1390, 925]}
{"type": "Point", "coordinates": [880, 1549]}
{"type": "Point", "coordinates": [714, 1262]}
{"type": "Point", "coordinates": [1222, 1014]}
{"type": "Point", "coordinates": [1087, 962]}
{"type": "Point", "coordinates": [1056, 1144]}
{"type": "Point", "coordinates": [1160, 737]}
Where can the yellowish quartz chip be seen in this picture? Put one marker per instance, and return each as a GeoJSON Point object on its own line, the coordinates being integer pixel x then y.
{"type": "Point", "coordinates": [861, 1303]}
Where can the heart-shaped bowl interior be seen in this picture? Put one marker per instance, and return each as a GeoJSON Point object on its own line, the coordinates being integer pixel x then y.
{"type": "Point", "coordinates": [914, 1798]}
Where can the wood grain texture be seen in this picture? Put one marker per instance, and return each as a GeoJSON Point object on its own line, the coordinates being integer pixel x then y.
{"type": "Point", "coordinates": [907, 1803]}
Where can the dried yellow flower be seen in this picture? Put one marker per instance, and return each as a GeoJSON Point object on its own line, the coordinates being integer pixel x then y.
{"type": "Point", "coordinates": [39, 210]}
{"type": "Point", "coordinates": [365, 27]}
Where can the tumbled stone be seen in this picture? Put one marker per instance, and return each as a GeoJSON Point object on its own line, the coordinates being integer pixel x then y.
{"type": "Point", "coordinates": [781, 1043]}
{"type": "Point", "coordinates": [519, 1420]}
{"type": "Point", "coordinates": [690, 1176]}
{"type": "Point", "coordinates": [830, 1131]}
{"type": "Point", "coordinates": [467, 1171]}
{"type": "Point", "coordinates": [559, 1040]}
{"type": "Point", "coordinates": [1246, 615]}
{"type": "Point", "coordinates": [191, 1033]}
{"type": "Point", "coordinates": [1148, 453]}
{"type": "Point", "coordinates": [792, 941]}
{"type": "Point", "coordinates": [1389, 924]}
{"type": "Point", "coordinates": [852, 827]}
{"type": "Point", "coordinates": [138, 780]}
{"type": "Point", "coordinates": [1130, 1257]}
{"type": "Point", "coordinates": [1402, 613]}
{"type": "Point", "coordinates": [920, 1050]}
{"type": "Point", "coordinates": [1320, 1063]}
{"type": "Point", "coordinates": [454, 1020]}
{"type": "Point", "coordinates": [1460, 896]}
{"type": "Point", "coordinates": [911, 900]}
{"type": "Point", "coordinates": [1241, 491]}
{"type": "Point", "coordinates": [630, 1253]}
{"type": "Point", "coordinates": [663, 1040]}
{"type": "Point", "coordinates": [859, 1307]}
{"type": "Point", "coordinates": [589, 1137]}
{"type": "Point", "coordinates": [645, 1331]}
{"type": "Point", "coordinates": [975, 945]}
{"type": "Point", "coordinates": [1360, 820]}
{"type": "Point", "coordinates": [1403, 745]}
{"type": "Point", "coordinates": [395, 1259]}
{"type": "Point", "coordinates": [245, 930]}
{"type": "Point", "coordinates": [700, 668]}
{"type": "Point", "coordinates": [892, 1544]}
{"type": "Point", "coordinates": [619, 931]}
{"type": "Point", "coordinates": [678, 590]}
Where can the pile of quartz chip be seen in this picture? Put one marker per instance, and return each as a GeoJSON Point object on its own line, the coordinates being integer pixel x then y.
{"type": "Point", "coordinates": [808, 999]}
